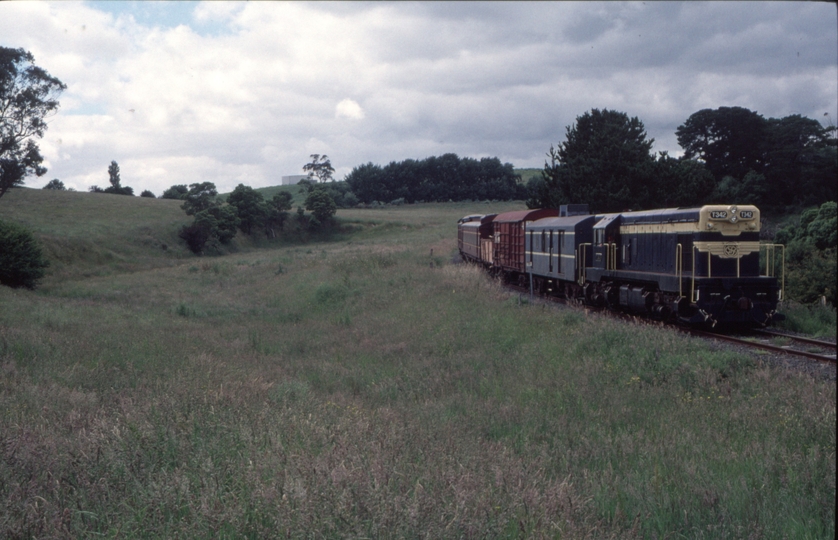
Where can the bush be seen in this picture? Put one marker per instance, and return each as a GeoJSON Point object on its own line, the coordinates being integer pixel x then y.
{"type": "Point", "coordinates": [196, 236]}
{"type": "Point", "coordinates": [321, 205]}
{"type": "Point", "coordinates": [147, 193]}
{"type": "Point", "coordinates": [21, 262]}
{"type": "Point", "coordinates": [55, 184]}
{"type": "Point", "coordinates": [813, 319]}
{"type": "Point", "coordinates": [811, 254]}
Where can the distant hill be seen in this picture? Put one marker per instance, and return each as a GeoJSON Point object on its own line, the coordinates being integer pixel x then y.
{"type": "Point", "coordinates": [526, 174]}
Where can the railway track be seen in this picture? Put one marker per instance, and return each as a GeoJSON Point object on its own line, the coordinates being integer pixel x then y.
{"type": "Point", "coordinates": [778, 342]}
{"type": "Point", "coordinates": [769, 340]}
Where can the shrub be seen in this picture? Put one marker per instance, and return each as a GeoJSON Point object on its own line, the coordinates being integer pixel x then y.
{"type": "Point", "coordinates": [811, 254]}
{"type": "Point", "coordinates": [321, 205]}
{"type": "Point", "coordinates": [55, 184]}
{"type": "Point", "coordinates": [147, 193]}
{"type": "Point", "coordinates": [196, 236]}
{"type": "Point", "coordinates": [21, 262]}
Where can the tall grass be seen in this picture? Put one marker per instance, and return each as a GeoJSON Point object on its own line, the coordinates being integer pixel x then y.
{"type": "Point", "coordinates": [815, 320]}
{"type": "Point", "coordinates": [373, 389]}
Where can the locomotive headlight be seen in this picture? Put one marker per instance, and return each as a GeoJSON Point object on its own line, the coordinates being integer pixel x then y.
{"type": "Point", "coordinates": [709, 225]}
{"type": "Point", "coordinates": [734, 214]}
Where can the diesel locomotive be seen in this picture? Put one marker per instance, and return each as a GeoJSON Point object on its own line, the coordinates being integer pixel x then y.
{"type": "Point", "coordinates": [698, 266]}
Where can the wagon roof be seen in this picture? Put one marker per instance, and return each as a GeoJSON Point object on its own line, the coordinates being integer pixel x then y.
{"type": "Point", "coordinates": [472, 217]}
{"type": "Point", "coordinates": [559, 222]}
{"type": "Point", "coordinates": [526, 215]}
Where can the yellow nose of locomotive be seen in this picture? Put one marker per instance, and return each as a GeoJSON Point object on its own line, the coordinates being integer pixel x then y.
{"type": "Point", "coordinates": [729, 220]}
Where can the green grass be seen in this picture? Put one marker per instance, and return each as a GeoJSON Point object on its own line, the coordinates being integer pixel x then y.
{"type": "Point", "coordinates": [363, 386]}
{"type": "Point", "coordinates": [817, 320]}
{"type": "Point", "coordinates": [526, 174]}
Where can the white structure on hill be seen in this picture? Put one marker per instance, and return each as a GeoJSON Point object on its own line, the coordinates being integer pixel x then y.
{"type": "Point", "coordinates": [293, 179]}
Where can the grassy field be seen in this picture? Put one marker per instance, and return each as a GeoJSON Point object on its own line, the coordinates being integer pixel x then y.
{"type": "Point", "coordinates": [364, 386]}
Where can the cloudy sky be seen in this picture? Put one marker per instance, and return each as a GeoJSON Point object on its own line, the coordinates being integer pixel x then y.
{"type": "Point", "coordinates": [244, 92]}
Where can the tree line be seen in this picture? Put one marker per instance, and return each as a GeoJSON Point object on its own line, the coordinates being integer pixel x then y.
{"type": "Point", "coordinates": [435, 179]}
{"type": "Point", "coordinates": [731, 154]}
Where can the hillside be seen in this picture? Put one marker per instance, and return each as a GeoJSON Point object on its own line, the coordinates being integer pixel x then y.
{"type": "Point", "coordinates": [94, 234]}
{"type": "Point", "coordinates": [364, 385]}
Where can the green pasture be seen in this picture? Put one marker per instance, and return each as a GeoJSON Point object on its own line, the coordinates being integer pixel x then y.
{"type": "Point", "coordinates": [364, 385]}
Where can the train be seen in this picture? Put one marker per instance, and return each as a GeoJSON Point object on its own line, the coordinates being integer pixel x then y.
{"type": "Point", "coordinates": [702, 266]}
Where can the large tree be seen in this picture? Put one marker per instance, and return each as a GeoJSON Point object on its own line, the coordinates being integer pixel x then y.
{"type": "Point", "coordinates": [801, 162]}
{"type": "Point", "coordinates": [250, 206]}
{"type": "Point", "coordinates": [28, 95]}
{"type": "Point", "coordinates": [773, 162]}
{"type": "Point", "coordinates": [200, 196]}
{"type": "Point", "coordinates": [321, 205]}
{"type": "Point", "coordinates": [605, 161]}
{"type": "Point", "coordinates": [320, 169]}
{"type": "Point", "coordinates": [731, 141]}
{"type": "Point", "coordinates": [116, 186]}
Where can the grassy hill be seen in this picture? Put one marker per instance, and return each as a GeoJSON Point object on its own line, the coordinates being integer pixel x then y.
{"type": "Point", "coordinates": [526, 174]}
{"type": "Point", "coordinates": [363, 385]}
{"type": "Point", "coordinates": [84, 234]}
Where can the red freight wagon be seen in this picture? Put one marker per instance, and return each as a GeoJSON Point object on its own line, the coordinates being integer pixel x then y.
{"type": "Point", "coordinates": [509, 237]}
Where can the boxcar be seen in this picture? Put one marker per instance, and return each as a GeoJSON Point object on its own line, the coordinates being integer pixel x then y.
{"type": "Point", "coordinates": [509, 231]}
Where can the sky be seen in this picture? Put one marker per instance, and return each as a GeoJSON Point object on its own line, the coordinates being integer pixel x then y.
{"type": "Point", "coordinates": [244, 92]}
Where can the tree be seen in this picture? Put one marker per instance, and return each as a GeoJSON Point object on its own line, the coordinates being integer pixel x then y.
{"type": "Point", "coordinates": [800, 161]}
{"type": "Point", "coordinates": [605, 162]}
{"type": "Point", "coordinates": [113, 174]}
{"type": "Point", "coordinates": [278, 208]}
{"type": "Point", "coordinates": [751, 189]}
{"type": "Point", "coordinates": [116, 187]}
{"type": "Point", "coordinates": [22, 263]}
{"type": "Point", "coordinates": [148, 194]}
{"type": "Point", "coordinates": [55, 184]}
{"type": "Point", "coordinates": [200, 196]}
{"type": "Point", "coordinates": [178, 192]}
{"type": "Point", "coordinates": [320, 169]}
{"type": "Point", "coordinates": [250, 206]}
{"type": "Point", "coordinates": [729, 140]}
{"type": "Point", "coordinates": [366, 182]}
{"type": "Point", "coordinates": [795, 156]}
{"type": "Point", "coordinates": [216, 224]}
{"type": "Point", "coordinates": [28, 95]}
{"type": "Point", "coordinates": [679, 182]}
{"type": "Point", "coordinates": [321, 205]}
